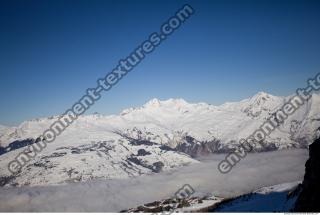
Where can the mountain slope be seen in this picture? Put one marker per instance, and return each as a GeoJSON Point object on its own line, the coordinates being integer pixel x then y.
{"type": "Point", "coordinates": [173, 121]}
{"type": "Point", "coordinates": [74, 160]}
{"type": "Point", "coordinates": [159, 136]}
{"type": "Point", "coordinates": [278, 198]}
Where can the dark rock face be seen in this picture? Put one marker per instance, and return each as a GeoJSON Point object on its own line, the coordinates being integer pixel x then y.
{"type": "Point", "coordinates": [169, 206]}
{"type": "Point", "coordinates": [5, 179]}
{"type": "Point", "coordinates": [309, 198]}
{"type": "Point", "coordinates": [2, 150]}
{"type": "Point", "coordinates": [16, 145]}
{"type": "Point", "coordinates": [157, 166]}
{"type": "Point", "coordinates": [196, 148]}
{"type": "Point", "coordinates": [166, 148]}
{"type": "Point", "coordinates": [142, 152]}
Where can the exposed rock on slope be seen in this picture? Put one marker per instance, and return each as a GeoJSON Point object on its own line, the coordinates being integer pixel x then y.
{"type": "Point", "coordinates": [196, 129]}
{"type": "Point", "coordinates": [79, 160]}
{"type": "Point", "coordinates": [159, 136]}
{"type": "Point", "coordinates": [277, 198]}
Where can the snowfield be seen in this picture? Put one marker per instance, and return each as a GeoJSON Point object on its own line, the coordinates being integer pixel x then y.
{"type": "Point", "coordinates": [170, 122]}
{"type": "Point", "coordinates": [145, 154]}
{"type": "Point", "coordinates": [159, 136]}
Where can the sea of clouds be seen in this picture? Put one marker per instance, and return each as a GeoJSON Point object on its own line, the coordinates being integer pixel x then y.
{"type": "Point", "coordinates": [255, 171]}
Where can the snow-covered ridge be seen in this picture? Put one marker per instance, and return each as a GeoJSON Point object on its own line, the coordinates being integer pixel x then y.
{"type": "Point", "coordinates": [159, 136]}
{"type": "Point", "coordinates": [169, 121]}
{"type": "Point", "coordinates": [3, 129]}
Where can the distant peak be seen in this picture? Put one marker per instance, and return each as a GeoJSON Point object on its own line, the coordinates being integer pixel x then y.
{"type": "Point", "coordinates": [171, 102]}
{"type": "Point", "coordinates": [262, 95]}
{"type": "Point", "coordinates": [178, 101]}
{"type": "Point", "coordinates": [263, 98]}
{"type": "Point", "coordinates": [153, 102]}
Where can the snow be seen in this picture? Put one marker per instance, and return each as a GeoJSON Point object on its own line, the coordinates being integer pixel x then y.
{"type": "Point", "coordinates": [278, 188]}
{"type": "Point", "coordinates": [165, 120]}
{"type": "Point", "coordinates": [96, 147]}
{"type": "Point", "coordinates": [85, 160]}
{"type": "Point", "coordinates": [162, 122]}
{"type": "Point", "coordinates": [256, 171]}
{"type": "Point", "coordinates": [267, 199]}
{"type": "Point", "coordinates": [198, 206]}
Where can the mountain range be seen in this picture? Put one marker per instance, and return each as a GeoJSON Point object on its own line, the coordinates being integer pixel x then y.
{"type": "Point", "coordinates": [158, 136]}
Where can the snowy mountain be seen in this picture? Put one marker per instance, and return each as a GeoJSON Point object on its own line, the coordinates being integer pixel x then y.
{"type": "Point", "coordinates": [78, 159]}
{"type": "Point", "coordinates": [174, 122]}
{"type": "Point", "coordinates": [258, 170]}
{"type": "Point", "coordinates": [159, 136]}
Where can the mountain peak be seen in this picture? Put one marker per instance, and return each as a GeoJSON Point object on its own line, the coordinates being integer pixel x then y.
{"type": "Point", "coordinates": [261, 97]}
{"type": "Point", "coordinates": [178, 101]}
{"type": "Point", "coordinates": [153, 102]}
{"type": "Point", "coordinates": [262, 94]}
{"type": "Point", "coordinates": [169, 102]}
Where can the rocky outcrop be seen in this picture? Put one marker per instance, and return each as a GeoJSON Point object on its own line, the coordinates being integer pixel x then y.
{"type": "Point", "coordinates": [309, 197]}
{"type": "Point", "coordinates": [173, 205]}
{"type": "Point", "coordinates": [195, 148]}
{"type": "Point", "coordinates": [17, 144]}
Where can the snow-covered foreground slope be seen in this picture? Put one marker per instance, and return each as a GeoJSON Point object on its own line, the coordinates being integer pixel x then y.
{"type": "Point", "coordinates": [278, 198]}
{"type": "Point", "coordinates": [256, 171]}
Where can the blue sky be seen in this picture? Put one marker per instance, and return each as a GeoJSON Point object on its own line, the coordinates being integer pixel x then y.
{"type": "Point", "coordinates": [52, 51]}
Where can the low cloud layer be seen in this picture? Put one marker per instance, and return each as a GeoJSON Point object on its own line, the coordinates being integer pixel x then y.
{"type": "Point", "coordinates": [254, 171]}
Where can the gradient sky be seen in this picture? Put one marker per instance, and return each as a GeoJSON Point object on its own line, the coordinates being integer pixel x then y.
{"type": "Point", "coordinates": [52, 51]}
